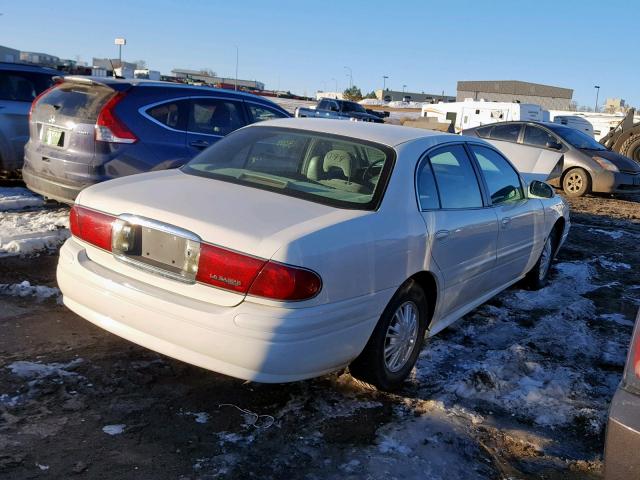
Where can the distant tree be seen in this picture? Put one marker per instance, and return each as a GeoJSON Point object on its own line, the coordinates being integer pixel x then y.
{"type": "Point", "coordinates": [585, 108]}
{"type": "Point", "coordinates": [208, 71]}
{"type": "Point", "coordinates": [352, 93]}
{"type": "Point", "coordinates": [141, 64]}
{"type": "Point", "coordinates": [573, 106]}
{"type": "Point", "coordinates": [371, 94]}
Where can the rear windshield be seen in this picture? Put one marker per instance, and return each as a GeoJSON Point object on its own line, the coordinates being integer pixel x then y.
{"type": "Point", "coordinates": [23, 86]}
{"type": "Point", "coordinates": [82, 102]}
{"type": "Point", "coordinates": [323, 168]}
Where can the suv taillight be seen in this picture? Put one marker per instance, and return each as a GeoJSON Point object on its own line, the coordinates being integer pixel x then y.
{"type": "Point", "coordinates": [109, 128]}
{"type": "Point", "coordinates": [631, 378]}
{"type": "Point", "coordinates": [249, 275]}
{"type": "Point", "coordinates": [91, 226]}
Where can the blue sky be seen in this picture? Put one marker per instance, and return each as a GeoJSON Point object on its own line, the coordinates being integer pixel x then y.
{"type": "Point", "coordinates": [301, 46]}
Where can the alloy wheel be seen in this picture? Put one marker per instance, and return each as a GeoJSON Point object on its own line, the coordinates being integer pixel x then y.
{"type": "Point", "coordinates": [401, 337]}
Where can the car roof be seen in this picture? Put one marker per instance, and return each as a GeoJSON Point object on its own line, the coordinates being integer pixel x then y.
{"type": "Point", "coordinates": [529, 122]}
{"type": "Point", "coordinates": [25, 67]}
{"type": "Point", "coordinates": [384, 133]}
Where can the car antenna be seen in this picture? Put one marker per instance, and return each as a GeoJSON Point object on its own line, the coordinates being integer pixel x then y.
{"type": "Point", "coordinates": [113, 70]}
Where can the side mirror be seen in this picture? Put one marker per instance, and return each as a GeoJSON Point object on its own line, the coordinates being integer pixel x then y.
{"type": "Point", "coordinates": [538, 189]}
{"type": "Point", "coordinates": [554, 145]}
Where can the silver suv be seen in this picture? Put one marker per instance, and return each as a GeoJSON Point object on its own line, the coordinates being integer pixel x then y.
{"type": "Point", "coordinates": [19, 85]}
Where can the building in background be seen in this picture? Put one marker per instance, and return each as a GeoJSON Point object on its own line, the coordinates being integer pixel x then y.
{"type": "Point", "coordinates": [41, 59]}
{"type": "Point", "coordinates": [547, 96]}
{"type": "Point", "coordinates": [10, 55]}
{"type": "Point", "coordinates": [615, 105]}
{"type": "Point", "coordinates": [395, 96]}
{"type": "Point", "coordinates": [335, 95]}
{"type": "Point", "coordinates": [210, 78]}
{"type": "Point", "coordinates": [113, 65]}
{"type": "Point", "coordinates": [146, 73]}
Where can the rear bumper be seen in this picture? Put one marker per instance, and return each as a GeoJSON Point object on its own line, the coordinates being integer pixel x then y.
{"type": "Point", "coordinates": [50, 188]}
{"type": "Point", "coordinates": [623, 437]}
{"type": "Point", "coordinates": [616, 182]}
{"type": "Point", "coordinates": [249, 341]}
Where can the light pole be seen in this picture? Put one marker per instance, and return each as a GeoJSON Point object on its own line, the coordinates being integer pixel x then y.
{"type": "Point", "coordinates": [336, 84]}
{"type": "Point", "coordinates": [350, 76]}
{"type": "Point", "coordinates": [237, 55]}
{"type": "Point", "coordinates": [384, 83]}
{"type": "Point", "coordinates": [120, 42]}
{"type": "Point", "coordinates": [597, 87]}
{"type": "Point", "coordinates": [403, 88]}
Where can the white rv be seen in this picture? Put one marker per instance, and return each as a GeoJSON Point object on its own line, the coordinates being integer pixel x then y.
{"type": "Point", "coordinates": [471, 113]}
{"type": "Point", "coordinates": [601, 123]}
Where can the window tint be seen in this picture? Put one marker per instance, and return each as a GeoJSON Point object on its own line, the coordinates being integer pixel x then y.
{"type": "Point", "coordinates": [319, 167]}
{"type": "Point", "coordinates": [508, 132]}
{"type": "Point", "coordinates": [171, 114]}
{"type": "Point", "coordinates": [484, 131]}
{"type": "Point", "coordinates": [456, 179]}
{"type": "Point", "coordinates": [214, 117]}
{"type": "Point", "coordinates": [81, 102]}
{"type": "Point", "coordinates": [259, 113]}
{"type": "Point", "coordinates": [23, 86]}
{"type": "Point", "coordinates": [427, 190]}
{"type": "Point", "coordinates": [537, 137]}
{"type": "Point", "coordinates": [502, 179]}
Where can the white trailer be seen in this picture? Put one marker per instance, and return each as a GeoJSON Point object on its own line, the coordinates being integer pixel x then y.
{"type": "Point", "coordinates": [472, 113]}
{"type": "Point", "coordinates": [601, 123]}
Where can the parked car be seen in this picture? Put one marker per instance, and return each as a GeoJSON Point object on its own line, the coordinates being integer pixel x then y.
{"type": "Point", "coordinates": [587, 165]}
{"type": "Point", "coordinates": [20, 84]}
{"type": "Point", "coordinates": [340, 110]}
{"type": "Point", "coordinates": [90, 129]}
{"type": "Point", "coordinates": [293, 248]}
{"type": "Point", "coordinates": [621, 459]}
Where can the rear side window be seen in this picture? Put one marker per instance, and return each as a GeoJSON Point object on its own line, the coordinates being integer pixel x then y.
{"type": "Point", "coordinates": [171, 114]}
{"type": "Point", "coordinates": [426, 186]}
{"type": "Point", "coordinates": [507, 132]}
{"type": "Point", "coordinates": [23, 86]}
{"type": "Point", "coordinates": [455, 177]}
{"type": "Point", "coordinates": [81, 102]}
{"type": "Point", "coordinates": [537, 137]}
{"type": "Point", "coordinates": [484, 131]}
{"type": "Point", "coordinates": [502, 179]}
{"type": "Point", "coordinates": [261, 113]}
{"type": "Point", "coordinates": [212, 116]}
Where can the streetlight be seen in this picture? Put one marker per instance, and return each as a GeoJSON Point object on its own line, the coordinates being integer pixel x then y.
{"type": "Point", "coordinates": [597, 87]}
{"type": "Point", "coordinates": [120, 42]}
{"type": "Point", "coordinates": [237, 55]}
{"type": "Point", "coordinates": [403, 87]}
{"type": "Point", "coordinates": [384, 83]}
{"type": "Point", "coordinates": [350, 76]}
{"type": "Point", "coordinates": [336, 84]}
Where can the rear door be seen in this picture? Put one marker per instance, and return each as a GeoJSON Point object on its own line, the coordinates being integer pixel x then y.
{"type": "Point", "coordinates": [521, 220]}
{"type": "Point", "coordinates": [17, 91]}
{"type": "Point", "coordinates": [210, 119]}
{"type": "Point", "coordinates": [539, 155]}
{"type": "Point", "coordinates": [166, 131]}
{"type": "Point", "coordinates": [464, 230]}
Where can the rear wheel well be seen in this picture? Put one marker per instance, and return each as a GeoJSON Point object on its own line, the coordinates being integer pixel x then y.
{"type": "Point", "coordinates": [558, 230]}
{"type": "Point", "coordinates": [427, 282]}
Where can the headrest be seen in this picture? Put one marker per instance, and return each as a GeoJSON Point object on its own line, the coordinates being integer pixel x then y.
{"type": "Point", "coordinates": [338, 159]}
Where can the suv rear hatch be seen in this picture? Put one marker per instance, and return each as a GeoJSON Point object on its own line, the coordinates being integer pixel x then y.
{"type": "Point", "coordinates": [65, 123]}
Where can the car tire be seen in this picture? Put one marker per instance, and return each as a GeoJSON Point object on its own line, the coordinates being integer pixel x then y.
{"type": "Point", "coordinates": [631, 147]}
{"type": "Point", "coordinates": [405, 318]}
{"type": "Point", "coordinates": [576, 182]}
{"type": "Point", "coordinates": [538, 276]}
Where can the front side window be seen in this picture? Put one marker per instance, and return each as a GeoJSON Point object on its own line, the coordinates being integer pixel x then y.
{"type": "Point", "coordinates": [170, 114]}
{"type": "Point", "coordinates": [214, 117]}
{"type": "Point", "coordinates": [502, 180]}
{"type": "Point", "coordinates": [538, 137]}
{"type": "Point", "coordinates": [323, 168]}
{"type": "Point", "coordinates": [508, 132]}
{"type": "Point", "coordinates": [260, 113]}
{"type": "Point", "coordinates": [577, 138]}
{"type": "Point", "coordinates": [457, 182]}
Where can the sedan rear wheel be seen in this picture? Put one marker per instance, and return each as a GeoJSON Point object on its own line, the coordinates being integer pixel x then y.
{"type": "Point", "coordinates": [576, 182]}
{"type": "Point", "coordinates": [539, 275]}
{"type": "Point", "coordinates": [395, 343]}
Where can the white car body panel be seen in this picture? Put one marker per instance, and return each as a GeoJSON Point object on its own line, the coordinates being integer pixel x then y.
{"type": "Point", "coordinates": [361, 256]}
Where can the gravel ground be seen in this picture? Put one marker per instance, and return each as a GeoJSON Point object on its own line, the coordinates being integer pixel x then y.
{"type": "Point", "coordinates": [519, 388]}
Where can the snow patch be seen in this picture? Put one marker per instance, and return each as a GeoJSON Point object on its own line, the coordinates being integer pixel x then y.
{"type": "Point", "coordinates": [25, 289]}
{"type": "Point", "coordinates": [17, 198]}
{"type": "Point", "coordinates": [608, 264]}
{"type": "Point", "coordinates": [614, 234]}
{"type": "Point", "coordinates": [30, 232]}
{"type": "Point", "coordinates": [116, 429]}
{"type": "Point", "coordinates": [617, 318]}
{"type": "Point", "coordinates": [35, 370]}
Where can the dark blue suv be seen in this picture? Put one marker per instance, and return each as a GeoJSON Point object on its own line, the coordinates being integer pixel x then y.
{"type": "Point", "coordinates": [87, 130]}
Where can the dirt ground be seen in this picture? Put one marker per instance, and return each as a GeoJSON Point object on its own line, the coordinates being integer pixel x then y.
{"type": "Point", "coordinates": [78, 401]}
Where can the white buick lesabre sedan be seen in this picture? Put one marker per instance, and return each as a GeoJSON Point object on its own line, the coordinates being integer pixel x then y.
{"type": "Point", "coordinates": [296, 247]}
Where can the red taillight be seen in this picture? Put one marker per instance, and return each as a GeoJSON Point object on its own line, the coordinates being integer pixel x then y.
{"type": "Point", "coordinates": [632, 368]}
{"type": "Point", "coordinates": [254, 276]}
{"type": "Point", "coordinates": [284, 282]}
{"type": "Point", "coordinates": [42, 94]}
{"type": "Point", "coordinates": [109, 128]}
{"type": "Point", "coordinates": [226, 269]}
{"type": "Point", "coordinates": [91, 226]}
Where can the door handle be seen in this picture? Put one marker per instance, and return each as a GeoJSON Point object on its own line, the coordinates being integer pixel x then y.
{"type": "Point", "coordinates": [506, 221]}
{"type": "Point", "coordinates": [199, 144]}
{"type": "Point", "coordinates": [442, 234]}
